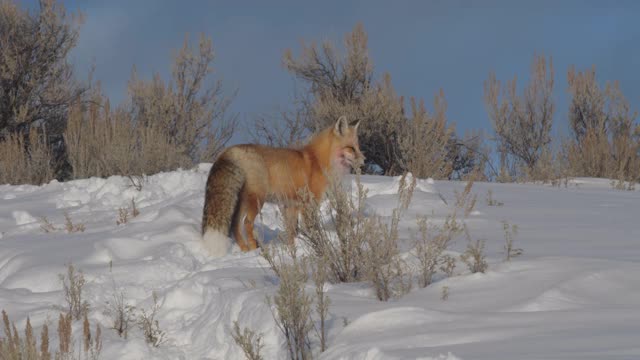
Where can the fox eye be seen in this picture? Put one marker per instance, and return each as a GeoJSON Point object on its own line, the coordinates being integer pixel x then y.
{"type": "Point", "coordinates": [351, 148]}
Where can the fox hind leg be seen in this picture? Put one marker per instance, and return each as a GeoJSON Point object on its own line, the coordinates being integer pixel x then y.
{"type": "Point", "coordinates": [238, 223]}
{"type": "Point", "coordinates": [253, 207]}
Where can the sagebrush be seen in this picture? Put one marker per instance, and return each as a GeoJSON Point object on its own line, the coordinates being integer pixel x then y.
{"type": "Point", "coordinates": [73, 286]}
{"type": "Point", "coordinates": [356, 246]}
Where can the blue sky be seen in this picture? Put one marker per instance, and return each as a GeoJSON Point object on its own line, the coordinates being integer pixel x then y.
{"type": "Point", "coordinates": [424, 45]}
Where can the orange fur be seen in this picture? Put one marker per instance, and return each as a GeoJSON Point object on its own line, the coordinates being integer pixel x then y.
{"type": "Point", "coordinates": [246, 176]}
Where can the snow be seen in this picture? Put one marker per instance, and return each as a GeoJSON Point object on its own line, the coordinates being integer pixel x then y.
{"type": "Point", "coordinates": [573, 294]}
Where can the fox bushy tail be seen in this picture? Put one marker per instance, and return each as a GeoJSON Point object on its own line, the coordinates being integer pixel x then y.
{"type": "Point", "coordinates": [222, 193]}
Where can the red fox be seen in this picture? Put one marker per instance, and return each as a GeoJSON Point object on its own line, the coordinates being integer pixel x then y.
{"type": "Point", "coordinates": [245, 176]}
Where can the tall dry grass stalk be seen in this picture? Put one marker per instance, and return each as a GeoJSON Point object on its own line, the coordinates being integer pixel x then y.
{"type": "Point", "coordinates": [15, 347]}
{"type": "Point", "coordinates": [102, 143]}
{"type": "Point", "coordinates": [26, 159]}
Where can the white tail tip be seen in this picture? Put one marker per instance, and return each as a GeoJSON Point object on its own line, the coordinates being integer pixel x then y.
{"type": "Point", "coordinates": [216, 243]}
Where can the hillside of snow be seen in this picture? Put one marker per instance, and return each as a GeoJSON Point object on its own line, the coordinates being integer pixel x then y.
{"type": "Point", "coordinates": [573, 294]}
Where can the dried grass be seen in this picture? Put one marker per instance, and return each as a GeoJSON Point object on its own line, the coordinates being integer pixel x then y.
{"type": "Point", "coordinates": [250, 342]}
{"type": "Point", "coordinates": [26, 159]}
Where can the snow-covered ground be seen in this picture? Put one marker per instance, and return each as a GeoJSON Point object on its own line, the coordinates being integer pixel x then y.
{"type": "Point", "coordinates": [573, 294]}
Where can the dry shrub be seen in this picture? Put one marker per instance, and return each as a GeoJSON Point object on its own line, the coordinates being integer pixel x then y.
{"type": "Point", "coordinates": [286, 129]}
{"type": "Point", "coordinates": [123, 316]}
{"type": "Point", "coordinates": [385, 269]}
{"type": "Point", "coordinates": [124, 213]}
{"type": "Point", "coordinates": [590, 156]}
{"type": "Point", "coordinates": [123, 216]}
{"type": "Point", "coordinates": [70, 227]}
{"type": "Point", "coordinates": [36, 79]}
{"type": "Point", "coordinates": [159, 128]}
{"type": "Point", "coordinates": [588, 109]}
{"type": "Point", "coordinates": [425, 143]}
{"type": "Point", "coordinates": [469, 156]}
{"type": "Point", "coordinates": [47, 226]}
{"type": "Point", "coordinates": [447, 264]}
{"type": "Point", "coordinates": [550, 168]}
{"type": "Point", "coordinates": [430, 243]}
{"type": "Point", "coordinates": [342, 83]}
{"type": "Point", "coordinates": [73, 285]}
{"type": "Point", "coordinates": [522, 123]}
{"type": "Point", "coordinates": [605, 141]}
{"type": "Point", "coordinates": [510, 233]}
{"type": "Point", "coordinates": [250, 342]}
{"type": "Point", "coordinates": [355, 247]}
{"type": "Point", "coordinates": [26, 159]}
{"type": "Point", "coordinates": [444, 295]}
{"type": "Point", "coordinates": [293, 306]}
{"type": "Point", "coordinates": [474, 256]}
{"type": "Point", "coordinates": [491, 201]}
{"type": "Point", "coordinates": [348, 246]}
{"type": "Point", "coordinates": [191, 109]}
{"type": "Point", "coordinates": [149, 325]}
{"type": "Point", "coordinates": [343, 250]}
{"type": "Point", "coordinates": [343, 77]}
{"type": "Point", "coordinates": [121, 312]}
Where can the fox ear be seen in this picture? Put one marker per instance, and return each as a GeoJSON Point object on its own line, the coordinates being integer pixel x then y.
{"type": "Point", "coordinates": [341, 126]}
{"type": "Point", "coordinates": [355, 125]}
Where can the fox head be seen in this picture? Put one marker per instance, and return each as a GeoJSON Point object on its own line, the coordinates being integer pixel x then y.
{"type": "Point", "coordinates": [345, 148]}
